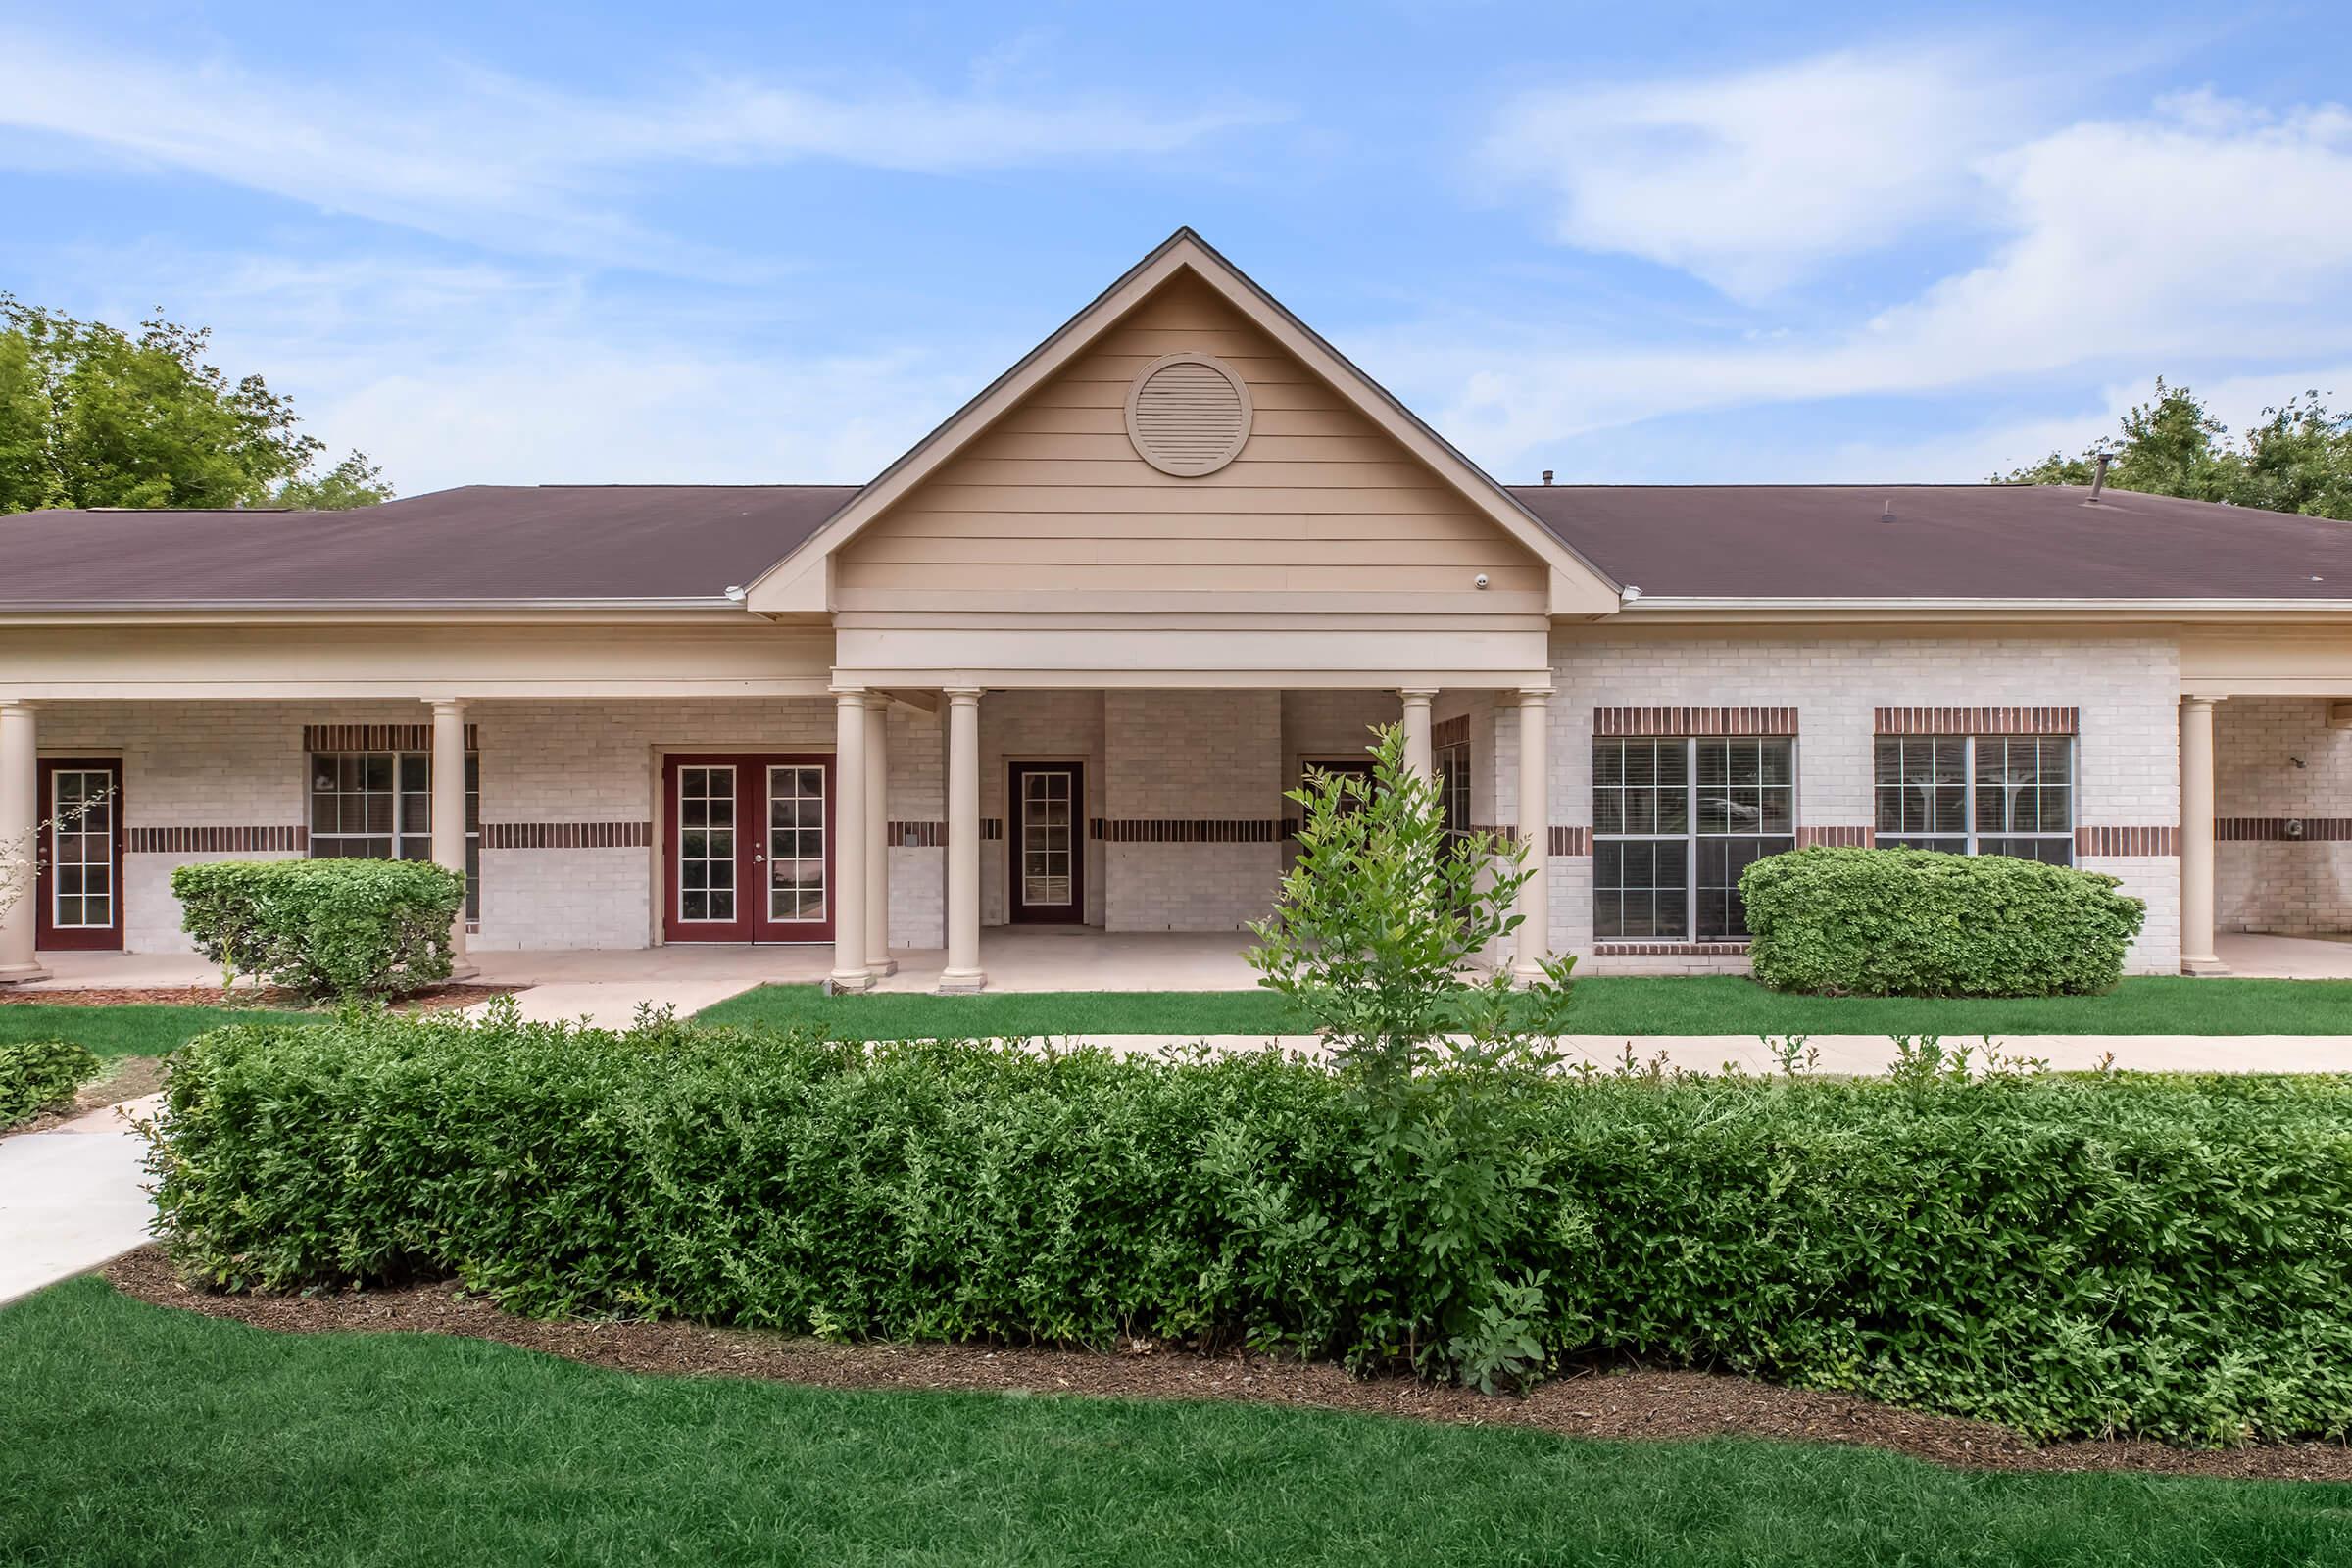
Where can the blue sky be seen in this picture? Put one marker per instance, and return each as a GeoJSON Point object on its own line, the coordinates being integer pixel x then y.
{"type": "Point", "coordinates": [1630, 243]}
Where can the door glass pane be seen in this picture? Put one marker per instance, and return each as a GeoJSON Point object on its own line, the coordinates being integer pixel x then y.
{"type": "Point", "coordinates": [81, 849]}
{"type": "Point", "coordinates": [796, 844]}
{"type": "Point", "coordinates": [706, 843]}
{"type": "Point", "coordinates": [1045, 839]}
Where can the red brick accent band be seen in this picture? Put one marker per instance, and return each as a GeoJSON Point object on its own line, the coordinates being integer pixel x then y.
{"type": "Point", "coordinates": [1980, 721]}
{"type": "Point", "coordinates": [1835, 838]}
{"type": "Point", "coordinates": [991, 827]}
{"type": "Point", "coordinates": [2147, 842]}
{"type": "Point", "coordinates": [1571, 841]}
{"type": "Point", "coordinates": [566, 835]}
{"type": "Point", "coordinates": [215, 840]}
{"type": "Point", "coordinates": [2274, 829]}
{"type": "Point", "coordinates": [914, 835]}
{"type": "Point", "coordinates": [1148, 830]}
{"type": "Point", "coordinates": [1671, 950]}
{"type": "Point", "coordinates": [1453, 731]}
{"type": "Point", "coordinates": [379, 737]}
{"type": "Point", "coordinates": [1634, 721]}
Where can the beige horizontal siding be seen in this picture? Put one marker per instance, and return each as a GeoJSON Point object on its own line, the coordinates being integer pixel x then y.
{"type": "Point", "coordinates": [1053, 501]}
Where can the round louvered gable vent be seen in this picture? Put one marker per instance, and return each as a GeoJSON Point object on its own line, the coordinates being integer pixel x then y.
{"type": "Point", "coordinates": [1187, 415]}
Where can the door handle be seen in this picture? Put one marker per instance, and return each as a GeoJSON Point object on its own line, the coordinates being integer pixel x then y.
{"type": "Point", "coordinates": [759, 859]}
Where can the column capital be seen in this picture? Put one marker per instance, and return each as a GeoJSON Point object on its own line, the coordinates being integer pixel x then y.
{"type": "Point", "coordinates": [1417, 694]}
{"type": "Point", "coordinates": [849, 696]}
{"type": "Point", "coordinates": [1534, 696]}
{"type": "Point", "coordinates": [27, 704]}
{"type": "Point", "coordinates": [963, 693]}
{"type": "Point", "coordinates": [2190, 700]}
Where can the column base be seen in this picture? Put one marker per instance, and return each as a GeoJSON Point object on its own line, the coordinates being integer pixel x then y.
{"type": "Point", "coordinates": [2203, 966]}
{"type": "Point", "coordinates": [883, 968]}
{"type": "Point", "coordinates": [462, 972]}
{"type": "Point", "coordinates": [837, 984]}
{"type": "Point", "coordinates": [962, 982]}
{"type": "Point", "coordinates": [18, 974]}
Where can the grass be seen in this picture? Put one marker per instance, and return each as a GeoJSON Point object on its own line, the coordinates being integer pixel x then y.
{"type": "Point", "coordinates": [139, 1434]}
{"type": "Point", "coordinates": [132, 1029]}
{"type": "Point", "coordinates": [1712, 1005]}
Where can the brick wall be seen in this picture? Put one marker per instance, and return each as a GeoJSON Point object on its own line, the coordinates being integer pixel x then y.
{"type": "Point", "coordinates": [2127, 757]}
{"type": "Point", "coordinates": [2277, 763]}
{"type": "Point", "coordinates": [242, 765]}
{"type": "Point", "coordinates": [1037, 726]}
{"type": "Point", "coordinates": [1190, 757]}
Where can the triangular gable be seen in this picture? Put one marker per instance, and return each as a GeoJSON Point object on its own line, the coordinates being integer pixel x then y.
{"type": "Point", "coordinates": [804, 580]}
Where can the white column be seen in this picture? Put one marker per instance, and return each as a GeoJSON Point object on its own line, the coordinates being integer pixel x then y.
{"type": "Point", "coordinates": [19, 839]}
{"type": "Point", "coordinates": [851, 846]}
{"type": "Point", "coordinates": [1417, 755]}
{"type": "Point", "coordinates": [964, 972]}
{"type": "Point", "coordinates": [1535, 831]}
{"type": "Point", "coordinates": [449, 812]}
{"type": "Point", "coordinates": [877, 837]}
{"type": "Point", "coordinates": [2196, 837]}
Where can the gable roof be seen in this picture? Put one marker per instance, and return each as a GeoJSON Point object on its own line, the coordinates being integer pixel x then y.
{"type": "Point", "coordinates": [2023, 542]}
{"type": "Point", "coordinates": [545, 546]}
{"type": "Point", "coordinates": [798, 582]}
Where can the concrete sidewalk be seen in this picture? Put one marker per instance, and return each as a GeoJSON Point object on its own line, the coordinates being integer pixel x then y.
{"type": "Point", "coordinates": [72, 1197]}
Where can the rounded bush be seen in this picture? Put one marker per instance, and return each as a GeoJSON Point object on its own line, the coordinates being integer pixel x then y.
{"type": "Point", "coordinates": [340, 927]}
{"type": "Point", "coordinates": [1918, 923]}
{"type": "Point", "coordinates": [37, 1075]}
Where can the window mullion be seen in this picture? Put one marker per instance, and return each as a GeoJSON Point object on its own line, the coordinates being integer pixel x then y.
{"type": "Point", "coordinates": [1690, 841]}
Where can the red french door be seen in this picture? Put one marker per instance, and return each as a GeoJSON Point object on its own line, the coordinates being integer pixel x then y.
{"type": "Point", "coordinates": [80, 887]}
{"type": "Point", "coordinates": [1049, 856]}
{"type": "Point", "coordinates": [750, 847]}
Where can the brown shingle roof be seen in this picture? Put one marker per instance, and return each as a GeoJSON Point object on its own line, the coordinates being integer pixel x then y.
{"type": "Point", "coordinates": [1946, 542]}
{"type": "Point", "coordinates": [572, 543]}
{"type": "Point", "coordinates": [477, 542]}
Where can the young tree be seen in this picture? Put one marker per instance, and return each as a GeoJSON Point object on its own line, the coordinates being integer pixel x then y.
{"type": "Point", "coordinates": [92, 416]}
{"type": "Point", "coordinates": [1377, 936]}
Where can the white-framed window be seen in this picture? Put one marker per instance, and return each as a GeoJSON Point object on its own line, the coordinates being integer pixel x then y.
{"type": "Point", "coordinates": [1675, 821]}
{"type": "Point", "coordinates": [1978, 794]}
{"type": "Point", "coordinates": [1453, 786]}
{"type": "Point", "coordinates": [379, 806]}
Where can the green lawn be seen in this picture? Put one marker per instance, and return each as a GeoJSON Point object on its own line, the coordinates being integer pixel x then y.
{"type": "Point", "coordinates": [138, 1029]}
{"type": "Point", "coordinates": [1719, 1004]}
{"type": "Point", "coordinates": [138, 1434]}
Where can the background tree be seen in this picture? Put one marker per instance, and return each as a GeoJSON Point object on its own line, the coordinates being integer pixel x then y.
{"type": "Point", "coordinates": [93, 417]}
{"type": "Point", "coordinates": [2299, 459]}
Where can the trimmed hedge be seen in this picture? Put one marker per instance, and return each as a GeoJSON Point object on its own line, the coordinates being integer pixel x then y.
{"type": "Point", "coordinates": [1915, 922]}
{"type": "Point", "coordinates": [339, 927]}
{"type": "Point", "coordinates": [2065, 1254]}
{"type": "Point", "coordinates": [37, 1075]}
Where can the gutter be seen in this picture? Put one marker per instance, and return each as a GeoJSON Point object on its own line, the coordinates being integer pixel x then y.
{"type": "Point", "coordinates": [1648, 604]}
{"type": "Point", "coordinates": [711, 602]}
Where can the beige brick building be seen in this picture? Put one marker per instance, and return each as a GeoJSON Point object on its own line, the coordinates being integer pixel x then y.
{"type": "Point", "coordinates": [1060, 663]}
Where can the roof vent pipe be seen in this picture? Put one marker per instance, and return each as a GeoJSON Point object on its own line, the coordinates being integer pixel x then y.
{"type": "Point", "coordinates": [1886, 512]}
{"type": "Point", "coordinates": [1547, 476]}
{"type": "Point", "coordinates": [2098, 476]}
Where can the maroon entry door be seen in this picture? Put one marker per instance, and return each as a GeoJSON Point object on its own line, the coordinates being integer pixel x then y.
{"type": "Point", "coordinates": [79, 888]}
{"type": "Point", "coordinates": [1048, 858]}
{"type": "Point", "coordinates": [750, 847]}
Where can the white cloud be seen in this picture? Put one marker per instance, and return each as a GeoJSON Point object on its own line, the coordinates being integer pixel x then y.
{"type": "Point", "coordinates": [1752, 180]}
{"type": "Point", "coordinates": [491, 375]}
{"type": "Point", "coordinates": [467, 153]}
{"type": "Point", "coordinates": [2203, 236]}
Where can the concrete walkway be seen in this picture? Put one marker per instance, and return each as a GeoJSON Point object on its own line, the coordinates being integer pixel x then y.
{"type": "Point", "coordinates": [72, 1197]}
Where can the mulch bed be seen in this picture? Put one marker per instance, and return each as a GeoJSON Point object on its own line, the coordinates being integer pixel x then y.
{"type": "Point", "coordinates": [1614, 1405]}
{"type": "Point", "coordinates": [427, 1000]}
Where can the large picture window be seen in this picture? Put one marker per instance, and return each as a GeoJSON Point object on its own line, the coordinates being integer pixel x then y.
{"type": "Point", "coordinates": [1978, 794]}
{"type": "Point", "coordinates": [1674, 824]}
{"type": "Point", "coordinates": [379, 806]}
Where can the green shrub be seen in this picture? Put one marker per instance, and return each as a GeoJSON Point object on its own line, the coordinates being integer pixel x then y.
{"type": "Point", "coordinates": [37, 1075]}
{"type": "Point", "coordinates": [1374, 937]}
{"type": "Point", "coordinates": [1914, 923]}
{"type": "Point", "coordinates": [339, 927]}
{"type": "Point", "coordinates": [2067, 1255]}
